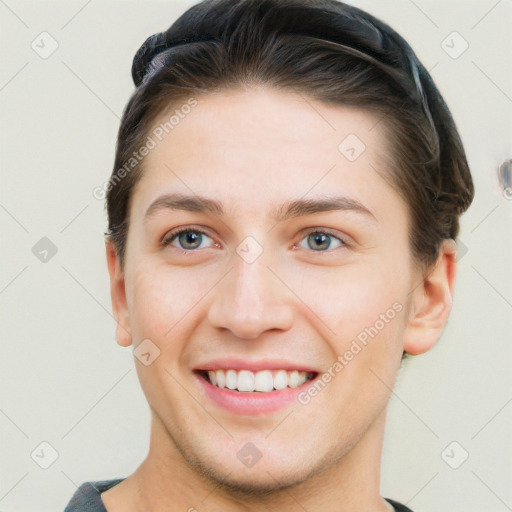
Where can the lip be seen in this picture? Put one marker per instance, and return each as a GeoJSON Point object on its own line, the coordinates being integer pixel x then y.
{"type": "Point", "coordinates": [250, 403]}
{"type": "Point", "coordinates": [234, 363]}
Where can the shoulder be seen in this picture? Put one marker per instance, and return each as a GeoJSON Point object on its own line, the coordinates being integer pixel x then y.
{"type": "Point", "coordinates": [87, 498]}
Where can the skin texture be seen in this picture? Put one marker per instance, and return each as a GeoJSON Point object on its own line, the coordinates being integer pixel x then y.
{"type": "Point", "coordinates": [253, 150]}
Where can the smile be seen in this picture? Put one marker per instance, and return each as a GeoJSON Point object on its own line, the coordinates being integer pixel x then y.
{"type": "Point", "coordinates": [263, 381]}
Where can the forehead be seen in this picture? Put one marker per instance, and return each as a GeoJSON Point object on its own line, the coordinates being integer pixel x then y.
{"type": "Point", "coordinates": [251, 149]}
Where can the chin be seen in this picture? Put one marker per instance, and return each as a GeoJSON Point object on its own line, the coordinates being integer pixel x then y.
{"type": "Point", "coordinates": [246, 483]}
{"type": "Point", "coordinates": [269, 476]}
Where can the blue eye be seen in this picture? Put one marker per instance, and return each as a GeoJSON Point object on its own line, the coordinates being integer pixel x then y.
{"type": "Point", "coordinates": [320, 241]}
{"type": "Point", "coordinates": [189, 239]}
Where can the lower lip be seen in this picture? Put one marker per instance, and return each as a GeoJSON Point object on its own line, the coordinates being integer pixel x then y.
{"type": "Point", "coordinates": [251, 404]}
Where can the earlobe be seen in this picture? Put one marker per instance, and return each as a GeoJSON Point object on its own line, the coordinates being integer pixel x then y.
{"type": "Point", "coordinates": [118, 295]}
{"type": "Point", "coordinates": [432, 302]}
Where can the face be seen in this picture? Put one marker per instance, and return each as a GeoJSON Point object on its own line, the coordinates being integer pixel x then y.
{"type": "Point", "coordinates": [291, 275]}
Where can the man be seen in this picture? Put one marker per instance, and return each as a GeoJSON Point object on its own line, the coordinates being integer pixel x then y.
{"type": "Point", "coordinates": [269, 262]}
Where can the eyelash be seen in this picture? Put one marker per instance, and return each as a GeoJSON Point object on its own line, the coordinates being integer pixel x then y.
{"type": "Point", "coordinates": [344, 243]}
{"type": "Point", "coordinates": [171, 236]}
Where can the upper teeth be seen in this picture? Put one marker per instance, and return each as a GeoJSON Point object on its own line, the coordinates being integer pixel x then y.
{"type": "Point", "coordinates": [264, 380]}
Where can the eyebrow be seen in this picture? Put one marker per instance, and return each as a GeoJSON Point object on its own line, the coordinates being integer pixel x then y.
{"type": "Point", "coordinates": [291, 209]}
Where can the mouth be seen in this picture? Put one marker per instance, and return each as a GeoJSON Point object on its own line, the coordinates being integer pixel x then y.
{"type": "Point", "coordinates": [252, 387]}
{"type": "Point", "coordinates": [256, 392]}
{"type": "Point", "coordinates": [262, 381]}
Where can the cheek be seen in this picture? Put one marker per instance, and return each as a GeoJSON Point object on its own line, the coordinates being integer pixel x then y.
{"type": "Point", "coordinates": [160, 298]}
{"type": "Point", "coordinates": [351, 298]}
{"type": "Point", "coordinates": [365, 309]}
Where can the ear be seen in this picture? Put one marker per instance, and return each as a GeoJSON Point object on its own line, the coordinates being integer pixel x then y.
{"type": "Point", "coordinates": [118, 295]}
{"type": "Point", "coordinates": [432, 302]}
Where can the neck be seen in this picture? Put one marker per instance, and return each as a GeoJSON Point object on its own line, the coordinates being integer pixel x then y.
{"type": "Point", "coordinates": [166, 481]}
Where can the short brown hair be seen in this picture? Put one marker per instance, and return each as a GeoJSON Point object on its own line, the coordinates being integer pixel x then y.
{"type": "Point", "coordinates": [328, 51]}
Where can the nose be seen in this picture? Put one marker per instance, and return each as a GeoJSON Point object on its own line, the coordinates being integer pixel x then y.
{"type": "Point", "coordinates": [251, 300]}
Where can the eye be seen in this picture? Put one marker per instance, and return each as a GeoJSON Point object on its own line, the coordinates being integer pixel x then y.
{"type": "Point", "coordinates": [188, 238]}
{"type": "Point", "coordinates": [320, 241]}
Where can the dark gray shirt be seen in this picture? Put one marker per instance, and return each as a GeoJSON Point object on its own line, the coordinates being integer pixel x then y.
{"type": "Point", "coordinates": [87, 497]}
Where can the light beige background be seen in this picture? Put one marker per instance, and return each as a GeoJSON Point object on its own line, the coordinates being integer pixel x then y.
{"type": "Point", "coordinates": [65, 381]}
